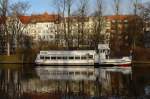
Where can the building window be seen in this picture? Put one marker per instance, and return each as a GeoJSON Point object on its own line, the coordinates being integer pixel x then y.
{"type": "Point", "coordinates": [125, 21]}
{"type": "Point", "coordinates": [113, 21]}
{"type": "Point", "coordinates": [51, 36]}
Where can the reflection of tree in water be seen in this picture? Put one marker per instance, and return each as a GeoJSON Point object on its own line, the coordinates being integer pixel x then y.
{"type": "Point", "coordinates": [15, 84]}
{"type": "Point", "coordinates": [10, 84]}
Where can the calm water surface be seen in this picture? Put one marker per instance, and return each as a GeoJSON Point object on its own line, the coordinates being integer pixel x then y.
{"type": "Point", "coordinates": [77, 82]}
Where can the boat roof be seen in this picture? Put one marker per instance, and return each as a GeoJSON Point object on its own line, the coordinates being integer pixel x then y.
{"type": "Point", "coordinates": [76, 52]}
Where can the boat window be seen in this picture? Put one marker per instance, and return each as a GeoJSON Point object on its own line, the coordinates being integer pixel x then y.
{"type": "Point", "coordinates": [71, 73]}
{"type": "Point", "coordinates": [41, 57]}
{"type": "Point", "coordinates": [65, 73]}
{"type": "Point", "coordinates": [53, 57]}
{"type": "Point", "coordinates": [77, 57]}
{"type": "Point", "coordinates": [83, 57]}
{"type": "Point", "coordinates": [64, 57]}
{"type": "Point", "coordinates": [84, 73]}
{"type": "Point", "coordinates": [90, 57]}
{"type": "Point", "coordinates": [59, 57]}
{"type": "Point", "coordinates": [47, 57]}
{"type": "Point", "coordinates": [101, 51]}
{"type": "Point", "coordinates": [90, 73]}
{"type": "Point", "coordinates": [77, 73]}
{"type": "Point", "coordinates": [71, 57]}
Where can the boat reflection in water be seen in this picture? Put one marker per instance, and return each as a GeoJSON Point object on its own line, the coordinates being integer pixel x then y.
{"type": "Point", "coordinates": [84, 81]}
{"type": "Point", "coordinates": [74, 82]}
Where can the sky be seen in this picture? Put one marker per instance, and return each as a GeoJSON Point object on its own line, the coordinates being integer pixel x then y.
{"type": "Point", "coordinates": [41, 6]}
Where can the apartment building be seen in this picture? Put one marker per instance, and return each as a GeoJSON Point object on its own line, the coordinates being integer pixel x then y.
{"type": "Point", "coordinates": [54, 28]}
{"type": "Point", "coordinates": [124, 27]}
{"type": "Point", "coordinates": [41, 27]}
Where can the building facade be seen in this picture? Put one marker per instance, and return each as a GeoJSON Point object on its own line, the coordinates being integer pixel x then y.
{"type": "Point", "coordinates": [78, 31]}
{"type": "Point", "coordinates": [40, 27]}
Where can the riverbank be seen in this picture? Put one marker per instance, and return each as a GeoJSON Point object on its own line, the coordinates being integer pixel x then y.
{"type": "Point", "coordinates": [10, 59]}
{"type": "Point", "coordinates": [16, 59]}
{"type": "Point", "coordinates": [21, 59]}
{"type": "Point", "coordinates": [141, 62]}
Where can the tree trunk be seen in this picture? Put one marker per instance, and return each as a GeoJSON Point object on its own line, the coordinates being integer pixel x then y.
{"type": "Point", "coordinates": [8, 48]}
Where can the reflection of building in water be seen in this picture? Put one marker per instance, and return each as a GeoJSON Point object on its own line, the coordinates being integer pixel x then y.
{"type": "Point", "coordinates": [10, 85]}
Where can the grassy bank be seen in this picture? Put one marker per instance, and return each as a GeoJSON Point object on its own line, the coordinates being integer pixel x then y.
{"type": "Point", "coordinates": [27, 58]}
{"type": "Point", "coordinates": [10, 59]}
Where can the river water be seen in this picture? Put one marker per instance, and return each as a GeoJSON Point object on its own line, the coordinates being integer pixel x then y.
{"type": "Point", "coordinates": [27, 81]}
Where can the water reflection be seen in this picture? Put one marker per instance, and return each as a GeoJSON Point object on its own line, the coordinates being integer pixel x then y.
{"type": "Point", "coordinates": [43, 82]}
{"type": "Point", "coordinates": [10, 83]}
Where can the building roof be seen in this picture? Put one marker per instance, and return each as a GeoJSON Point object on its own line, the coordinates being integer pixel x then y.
{"type": "Point", "coordinates": [39, 18]}
{"type": "Point", "coordinates": [54, 18]}
{"type": "Point", "coordinates": [119, 17]}
{"type": "Point", "coordinates": [25, 19]}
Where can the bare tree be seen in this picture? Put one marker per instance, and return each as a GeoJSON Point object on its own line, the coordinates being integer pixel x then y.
{"type": "Point", "coordinates": [16, 28]}
{"type": "Point", "coordinates": [115, 41]}
{"type": "Point", "coordinates": [64, 9]}
{"type": "Point", "coordinates": [68, 21]}
{"type": "Point", "coordinates": [4, 30]}
{"type": "Point", "coordinates": [10, 24]}
{"type": "Point", "coordinates": [144, 10]}
{"type": "Point", "coordinates": [117, 6]}
{"type": "Point", "coordinates": [98, 23]}
{"type": "Point", "coordinates": [19, 8]}
{"type": "Point", "coordinates": [82, 18]}
{"type": "Point", "coordinates": [145, 15]}
{"type": "Point", "coordinates": [135, 2]}
{"type": "Point", "coordinates": [137, 32]}
{"type": "Point", "coordinates": [60, 10]}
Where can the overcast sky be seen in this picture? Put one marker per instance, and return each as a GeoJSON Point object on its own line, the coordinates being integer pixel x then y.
{"type": "Point", "coordinates": [41, 6]}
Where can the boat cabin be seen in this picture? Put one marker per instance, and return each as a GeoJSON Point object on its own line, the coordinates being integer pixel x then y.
{"type": "Point", "coordinates": [62, 57]}
{"type": "Point", "coordinates": [67, 55]}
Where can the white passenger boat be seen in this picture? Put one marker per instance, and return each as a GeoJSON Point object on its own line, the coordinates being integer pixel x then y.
{"type": "Point", "coordinates": [78, 57]}
{"type": "Point", "coordinates": [81, 57]}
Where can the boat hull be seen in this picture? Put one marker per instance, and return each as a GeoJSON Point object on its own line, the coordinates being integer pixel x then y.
{"type": "Point", "coordinates": [87, 64]}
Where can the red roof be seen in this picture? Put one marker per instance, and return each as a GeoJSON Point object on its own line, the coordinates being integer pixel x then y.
{"type": "Point", "coordinates": [39, 18]}
{"type": "Point", "coordinates": [25, 19]}
{"type": "Point", "coordinates": [119, 17]}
